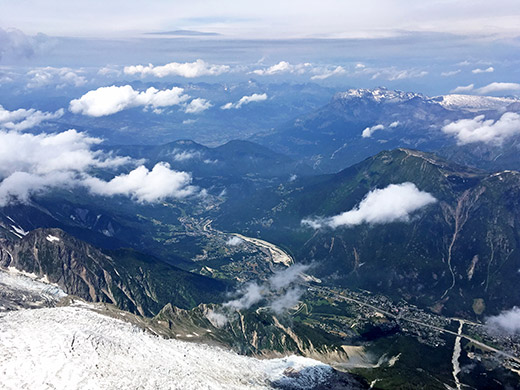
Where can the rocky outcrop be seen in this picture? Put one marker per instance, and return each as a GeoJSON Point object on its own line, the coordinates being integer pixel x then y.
{"type": "Point", "coordinates": [131, 281]}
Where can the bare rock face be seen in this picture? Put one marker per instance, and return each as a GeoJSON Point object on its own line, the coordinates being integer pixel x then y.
{"type": "Point", "coordinates": [130, 280]}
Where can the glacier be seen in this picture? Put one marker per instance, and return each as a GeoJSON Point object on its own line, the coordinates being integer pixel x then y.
{"type": "Point", "coordinates": [77, 347]}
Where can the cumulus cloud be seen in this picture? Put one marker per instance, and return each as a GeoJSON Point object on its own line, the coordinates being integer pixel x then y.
{"type": "Point", "coordinates": [508, 321]}
{"type": "Point", "coordinates": [31, 164]}
{"type": "Point", "coordinates": [110, 100]}
{"type": "Point", "coordinates": [280, 292]}
{"type": "Point", "coordinates": [488, 131]}
{"type": "Point", "coordinates": [395, 203]}
{"type": "Point", "coordinates": [325, 74]}
{"type": "Point", "coordinates": [23, 119]}
{"type": "Point", "coordinates": [283, 67]}
{"type": "Point", "coordinates": [144, 185]}
{"type": "Point", "coordinates": [487, 70]}
{"type": "Point", "coordinates": [463, 89]}
{"type": "Point", "coordinates": [369, 131]}
{"type": "Point", "coordinates": [60, 77]}
{"type": "Point", "coordinates": [256, 97]}
{"type": "Point", "coordinates": [234, 241]}
{"type": "Point", "coordinates": [198, 105]}
{"type": "Point", "coordinates": [187, 69]}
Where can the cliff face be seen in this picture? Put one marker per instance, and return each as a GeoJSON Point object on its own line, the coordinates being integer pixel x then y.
{"type": "Point", "coordinates": [130, 280]}
{"type": "Point", "coordinates": [257, 333]}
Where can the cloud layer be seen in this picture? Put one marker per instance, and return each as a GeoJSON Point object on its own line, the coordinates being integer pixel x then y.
{"type": "Point", "coordinates": [23, 119]}
{"type": "Point", "coordinates": [32, 164]}
{"type": "Point", "coordinates": [479, 129]}
{"type": "Point", "coordinates": [187, 69]}
{"type": "Point", "coordinates": [395, 203]}
{"type": "Point", "coordinates": [60, 77]}
{"type": "Point", "coordinates": [256, 97]}
{"type": "Point", "coordinates": [110, 100]}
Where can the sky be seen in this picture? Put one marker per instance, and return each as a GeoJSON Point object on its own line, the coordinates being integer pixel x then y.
{"type": "Point", "coordinates": [272, 19]}
{"type": "Point", "coordinates": [433, 47]}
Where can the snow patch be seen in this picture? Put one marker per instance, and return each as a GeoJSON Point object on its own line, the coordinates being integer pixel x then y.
{"type": "Point", "coordinates": [52, 238]}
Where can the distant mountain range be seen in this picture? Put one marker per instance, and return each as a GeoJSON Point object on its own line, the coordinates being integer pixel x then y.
{"type": "Point", "coordinates": [361, 122]}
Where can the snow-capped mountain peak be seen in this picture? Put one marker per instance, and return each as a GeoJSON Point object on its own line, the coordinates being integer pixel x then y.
{"type": "Point", "coordinates": [378, 95]}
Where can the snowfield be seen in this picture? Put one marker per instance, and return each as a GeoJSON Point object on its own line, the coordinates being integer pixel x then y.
{"type": "Point", "coordinates": [74, 347]}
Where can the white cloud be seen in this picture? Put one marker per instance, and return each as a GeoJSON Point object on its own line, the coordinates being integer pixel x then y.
{"type": "Point", "coordinates": [23, 119]}
{"type": "Point", "coordinates": [450, 73]}
{"type": "Point", "coordinates": [60, 77]}
{"type": "Point", "coordinates": [109, 71]}
{"type": "Point", "coordinates": [463, 89]}
{"type": "Point", "coordinates": [488, 131]}
{"type": "Point", "coordinates": [389, 73]}
{"type": "Point", "coordinates": [487, 70]}
{"type": "Point", "coordinates": [393, 125]}
{"type": "Point", "coordinates": [288, 276]}
{"type": "Point", "coordinates": [286, 301]}
{"type": "Point", "coordinates": [144, 185]}
{"type": "Point", "coordinates": [498, 87]}
{"type": "Point", "coordinates": [187, 69]}
{"type": "Point", "coordinates": [251, 294]}
{"type": "Point", "coordinates": [234, 241]}
{"type": "Point", "coordinates": [339, 70]}
{"type": "Point", "coordinates": [282, 67]}
{"type": "Point", "coordinates": [185, 155]}
{"type": "Point", "coordinates": [395, 203]}
{"type": "Point", "coordinates": [109, 100]}
{"type": "Point", "coordinates": [507, 321]}
{"type": "Point", "coordinates": [217, 319]}
{"type": "Point", "coordinates": [256, 97]}
{"type": "Point", "coordinates": [369, 131]}
{"type": "Point", "coordinates": [198, 105]}
{"type": "Point", "coordinates": [31, 164]}
{"type": "Point", "coordinates": [488, 89]}
{"type": "Point", "coordinates": [280, 292]}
